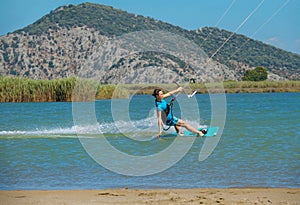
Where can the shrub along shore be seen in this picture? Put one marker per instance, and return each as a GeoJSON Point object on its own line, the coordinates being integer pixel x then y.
{"type": "Point", "coordinates": [17, 89]}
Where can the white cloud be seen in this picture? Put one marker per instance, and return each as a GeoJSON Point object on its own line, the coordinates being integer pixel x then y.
{"type": "Point", "coordinates": [276, 41]}
{"type": "Point", "coordinates": [297, 41]}
{"type": "Point", "coordinates": [292, 45]}
{"type": "Point", "coordinates": [296, 46]}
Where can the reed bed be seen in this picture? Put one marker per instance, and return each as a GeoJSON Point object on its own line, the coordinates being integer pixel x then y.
{"type": "Point", "coordinates": [220, 87]}
{"type": "Point", "coordinates": [261, 86]}
{"type": "Point", "coordinates": [17, 89]}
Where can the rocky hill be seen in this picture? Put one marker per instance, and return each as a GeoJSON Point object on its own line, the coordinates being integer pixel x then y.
{"type": "Point", "coordinates": [62, 42]}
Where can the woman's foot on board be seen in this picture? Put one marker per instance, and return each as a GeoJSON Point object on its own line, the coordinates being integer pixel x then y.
{"type": "Point", "coordinates": [201, 133]}
{"type": "Point", "coordinates": [180, 134]}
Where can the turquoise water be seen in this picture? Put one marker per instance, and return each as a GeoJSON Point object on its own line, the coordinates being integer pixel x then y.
{"type": "Point", "coordinates": [259, 147]}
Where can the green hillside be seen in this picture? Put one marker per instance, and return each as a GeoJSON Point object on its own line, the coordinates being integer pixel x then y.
{"type": "Point", "coordinates": [112, 22]}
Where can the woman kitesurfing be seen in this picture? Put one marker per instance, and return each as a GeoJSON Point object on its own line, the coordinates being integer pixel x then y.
{"type": "Point", "coordinates": [165, 115]}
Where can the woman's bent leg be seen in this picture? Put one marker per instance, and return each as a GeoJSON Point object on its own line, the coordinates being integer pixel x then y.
{"type": "Point", "coordinates": [189, 127]}
{"type": "Point", "coordinates": [177, 128]}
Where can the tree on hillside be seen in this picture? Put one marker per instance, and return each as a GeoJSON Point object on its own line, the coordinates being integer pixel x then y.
{"type": "Point", "coordinates": [258, 74]}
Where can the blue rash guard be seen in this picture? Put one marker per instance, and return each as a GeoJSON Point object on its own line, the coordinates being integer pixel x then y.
{"type": "Point", "coordinates": [167, 116]}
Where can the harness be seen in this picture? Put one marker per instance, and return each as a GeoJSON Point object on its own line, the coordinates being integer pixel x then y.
{"type": "Point", "coordinates": [166, 112]}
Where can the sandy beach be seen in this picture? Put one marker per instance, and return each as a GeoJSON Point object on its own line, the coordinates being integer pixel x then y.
{"type": "Point", "coordinates": [153, 196]}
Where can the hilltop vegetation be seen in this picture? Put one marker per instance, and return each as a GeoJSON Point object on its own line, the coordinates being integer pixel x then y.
{"type": "Point", "coordinates": [58, 44]}
{"type": "Point", "coordinates": [105, 19]}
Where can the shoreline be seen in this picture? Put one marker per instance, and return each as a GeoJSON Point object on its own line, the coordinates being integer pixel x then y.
{"type": "Point", "coordinates": [153, 196]}
{"type": "Point", "coordinates": [17, 89]}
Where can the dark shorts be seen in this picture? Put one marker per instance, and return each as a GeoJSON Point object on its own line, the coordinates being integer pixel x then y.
{"type": "Point", "coordinates": [171, 121]}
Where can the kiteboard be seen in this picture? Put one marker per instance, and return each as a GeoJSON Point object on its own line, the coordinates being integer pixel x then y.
{"type": "Point", "coordinates": [211, 131]}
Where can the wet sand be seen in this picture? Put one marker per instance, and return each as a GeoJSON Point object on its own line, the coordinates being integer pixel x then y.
{"type": "Point", "coordinates": [153, 196]}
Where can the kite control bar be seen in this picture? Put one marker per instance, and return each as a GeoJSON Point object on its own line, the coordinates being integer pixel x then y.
{"type": "Point", "coordinates": [189, 96]}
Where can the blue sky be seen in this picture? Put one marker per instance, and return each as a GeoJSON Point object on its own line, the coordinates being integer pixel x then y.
{"type": "Point", "coordinates": [276, 22]}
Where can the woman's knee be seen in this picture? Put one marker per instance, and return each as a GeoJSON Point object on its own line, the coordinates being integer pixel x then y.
{"type": "Point", "coordinates": [181, 123]}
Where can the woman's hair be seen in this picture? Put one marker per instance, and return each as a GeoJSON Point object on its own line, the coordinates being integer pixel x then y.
{"type": "Point", "coordinates": [156, 92]}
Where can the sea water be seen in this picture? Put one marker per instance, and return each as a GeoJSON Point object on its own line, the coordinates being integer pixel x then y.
{"type": "Point", "coordinates": [259, 146]}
